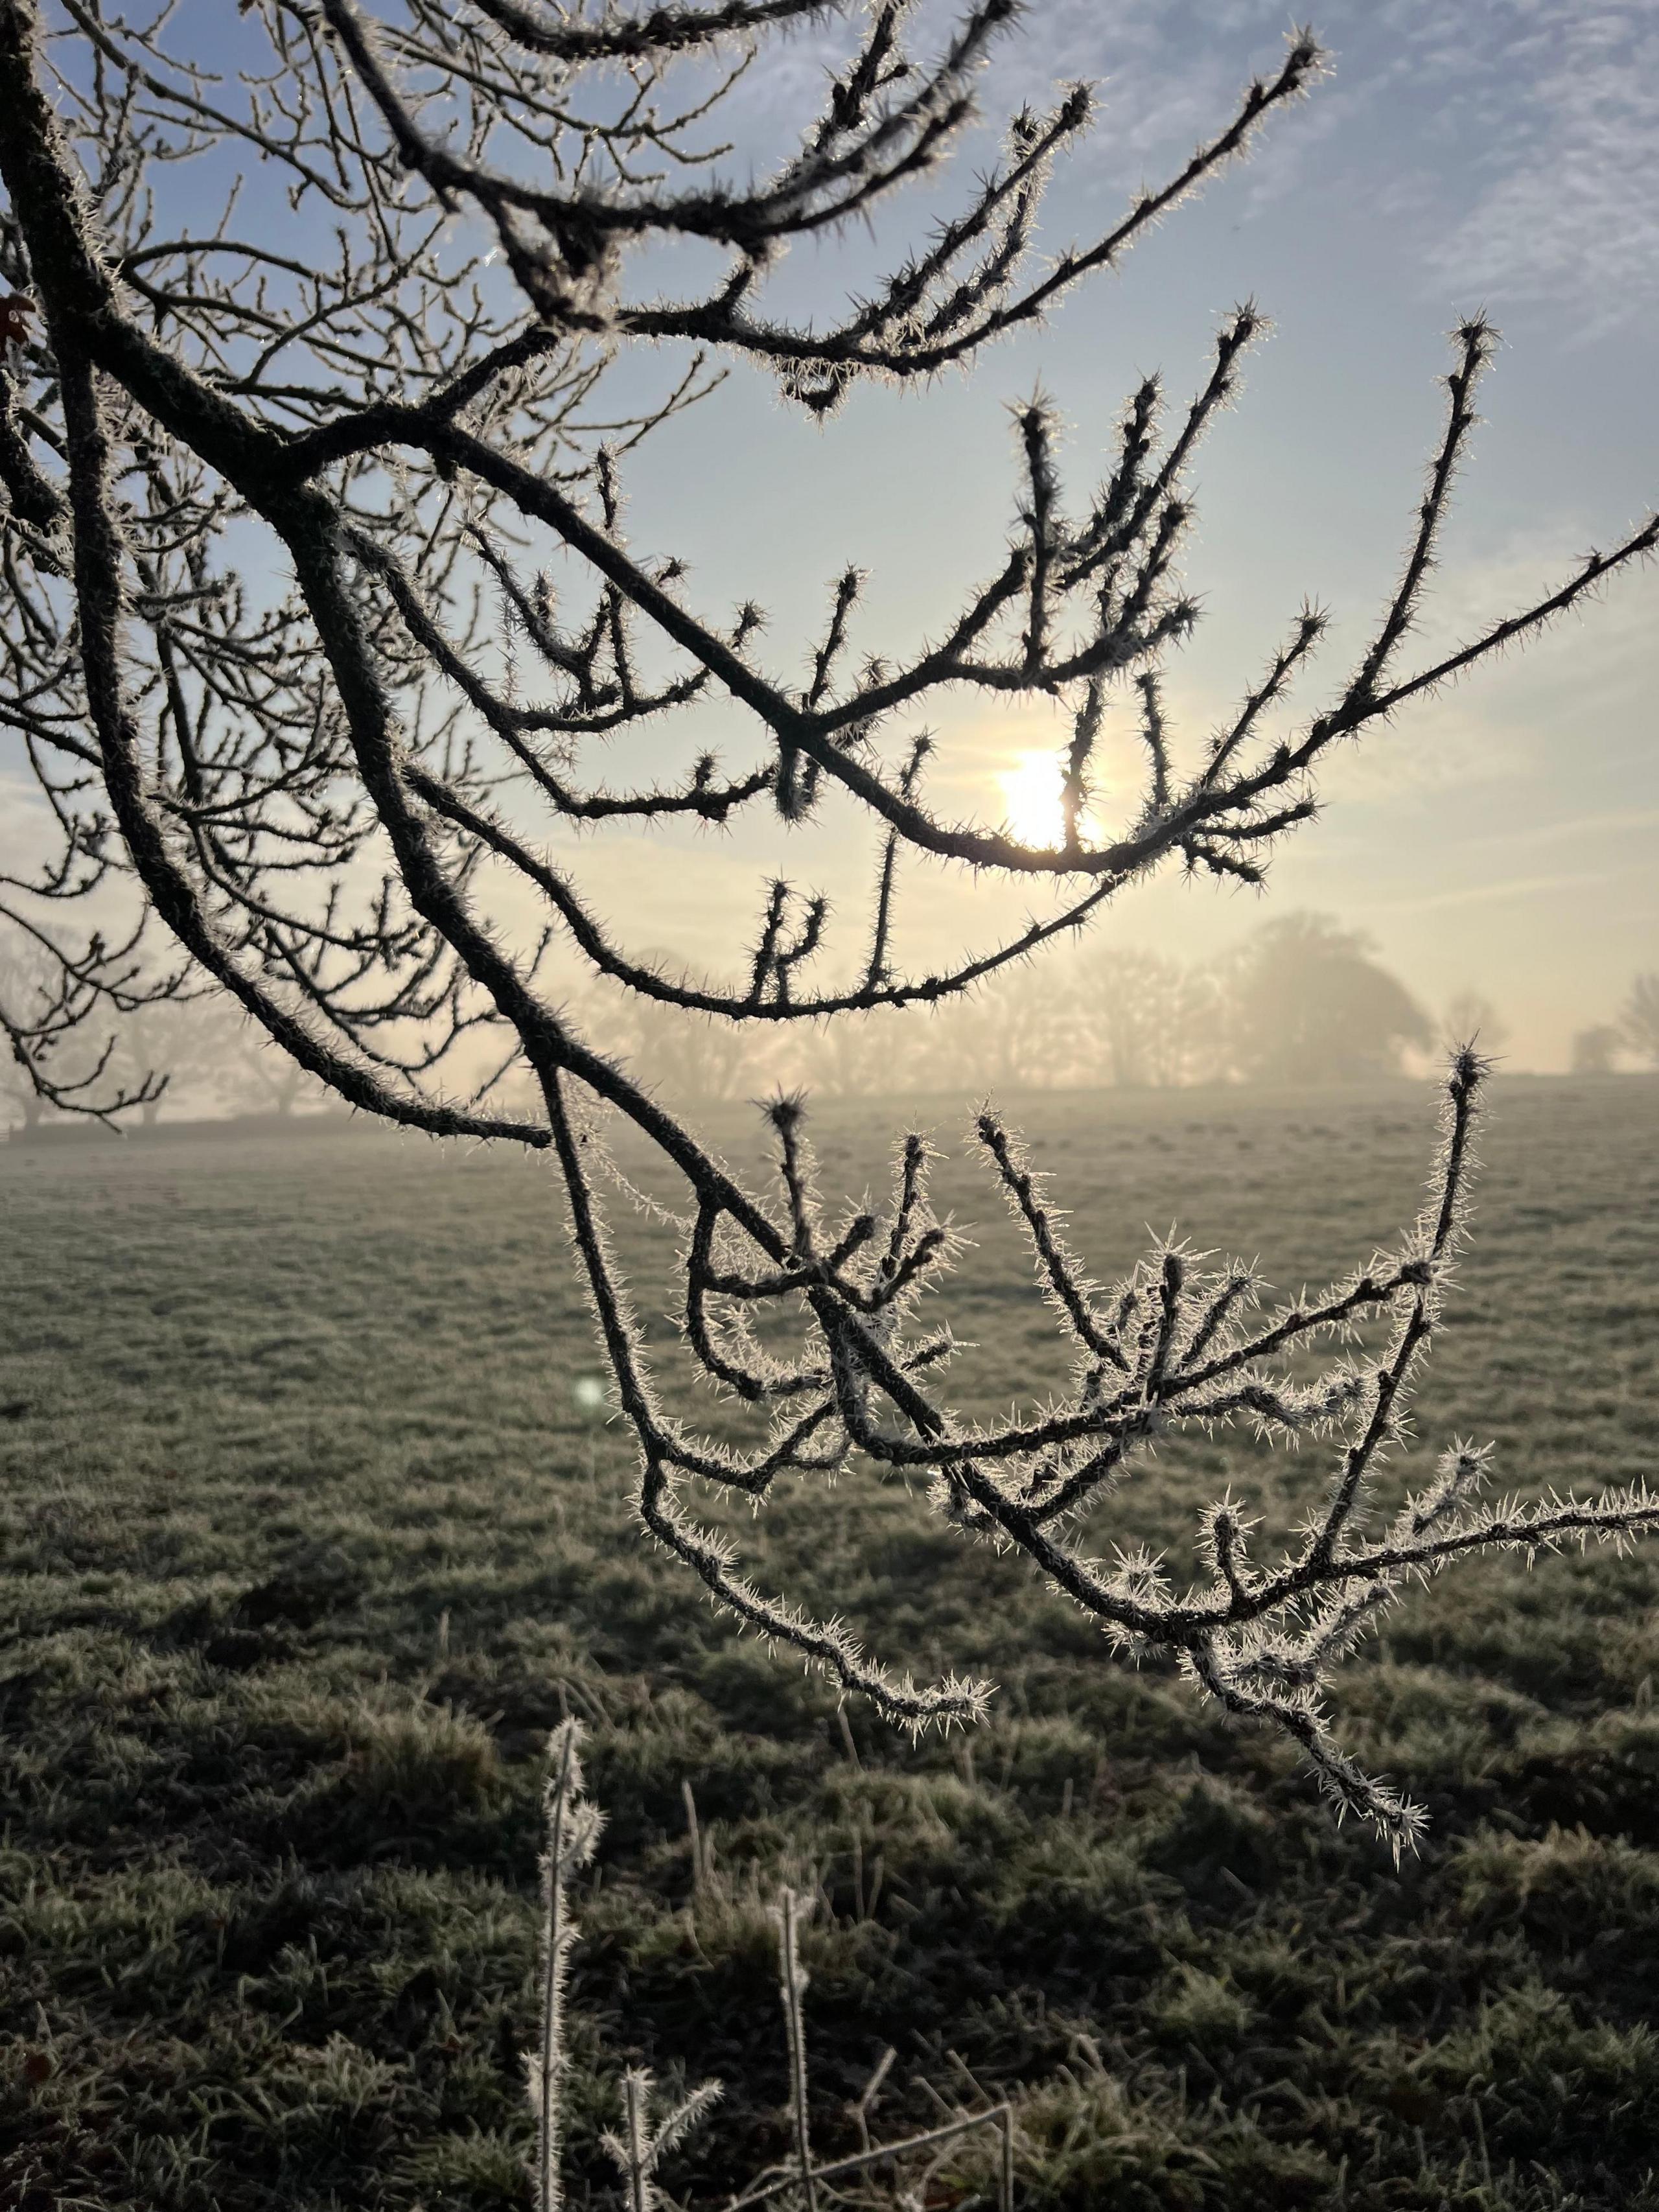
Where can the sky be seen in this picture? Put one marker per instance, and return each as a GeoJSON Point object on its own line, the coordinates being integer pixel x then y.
{"type": "Point", "coordinates": [1499, 157]}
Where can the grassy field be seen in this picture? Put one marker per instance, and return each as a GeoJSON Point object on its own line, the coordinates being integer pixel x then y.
{"type": "Point", "coordinates": [306, 1547]}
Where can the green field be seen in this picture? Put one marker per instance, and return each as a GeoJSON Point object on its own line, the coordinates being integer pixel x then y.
{"type": "Point", "coordinates": [306, 1547]}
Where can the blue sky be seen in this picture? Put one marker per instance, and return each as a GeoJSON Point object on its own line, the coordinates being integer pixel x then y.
{"type": "Point", "coordinates": [1503, 157]}
{"type": "Point", "coordinates": [1496, 154]}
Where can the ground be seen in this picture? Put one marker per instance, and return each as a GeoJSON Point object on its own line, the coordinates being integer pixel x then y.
{"type": "Point", "coordinates": [307, 1542]}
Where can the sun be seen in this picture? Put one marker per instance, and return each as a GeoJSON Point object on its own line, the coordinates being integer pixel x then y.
{"type": "Point", "coordinates": [1031, 791]}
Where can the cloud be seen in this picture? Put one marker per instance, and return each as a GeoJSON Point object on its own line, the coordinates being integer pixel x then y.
{"type": "Point", "coordinates": [1522, 138]}
{"type": "Point", "coordinates": [1512, 887]}
{"type": "Point", "coordinates": [1562, 832]}
{"type": "Point", "coordinates": [1572, 211]}
{"type": "Point", "coordinates": [1518, 139]}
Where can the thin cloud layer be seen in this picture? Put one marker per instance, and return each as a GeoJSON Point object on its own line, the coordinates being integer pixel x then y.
{"type": "Point", "coordinates": [1526, 158]}
{"type": "Point", "coordinates": [1574, 217]}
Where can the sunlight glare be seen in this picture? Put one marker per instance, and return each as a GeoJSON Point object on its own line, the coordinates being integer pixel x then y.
{"type": "Point", "coordinates": [1031, 799]}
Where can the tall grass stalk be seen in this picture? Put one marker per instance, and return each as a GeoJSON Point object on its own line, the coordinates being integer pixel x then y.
{"type": "Point", "coordinates": [792, 1982]}
{"type": "Point", "coordinates": [649, 2130]}
{"type": "Point", "coordinates": [574, 1828]}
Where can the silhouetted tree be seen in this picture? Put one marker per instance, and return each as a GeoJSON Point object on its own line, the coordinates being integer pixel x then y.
{"type": "Point", "coordinates": [863, 1056]}
{"type": "Point", "coordinates": [252, 1075]}
{"type": "Point", "coordinates": [1306, 1003]}
{"type": "Point", "coordinates": [1469, 1016]}
{"type": "Point", "coordinates": [1014, 1033]}
{"type": "Point", "coordinates": [57, 1055]}
{"type": "Point", "coordinates": [1596, 1050]}
{"type": "Point", "coordinates": [188, 1045]}
{"type": "Point", "coordinates": [1638, 1019]}
{"type": "Point", "coordinates": [1146, 1021]}
{"type": "Point", "coordinates": [23, 982]}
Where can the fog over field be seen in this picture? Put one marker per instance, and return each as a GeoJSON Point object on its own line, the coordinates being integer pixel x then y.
{"type": "Point", "coordinates": [312, 1534]}
{"type": "Point", "coordinates": [828, 1079]}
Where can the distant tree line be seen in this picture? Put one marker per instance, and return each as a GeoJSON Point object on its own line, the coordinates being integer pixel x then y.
{"type": "Point", "coordinates": [212, 1059]}
{"type": "Point", "coordinates": [1302, 1001]}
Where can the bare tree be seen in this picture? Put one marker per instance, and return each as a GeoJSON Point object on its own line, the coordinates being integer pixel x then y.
{"type": "Point", "coordinates": [282, 649]}
{"type": "Point", "coordinates": [1470, 1014]}
{"type": "Point", "coordinates": [253, 1075]}
{"type": "Point", "coordinates": [186, 1044]}
{"type": "Point", "coordinates": [862, 1056]}
{"type": "Point", "coordinates": [27, 980]}
{"type": "Point", "coordinates": [1306, 1002]}
{"type": "Point", "coordinates": [1014, 1032]}
{"type": "Point", "coordinates": [1638, 1019]}
{"type": "Point", "coordinates": [1150, 1021]}
{"type": "Point", "coordinates": [687, 1058]}
{"type": "Point", "coordinates": [1596, 1050]}
{"type": "Point", "coordinates": [59, 1058]}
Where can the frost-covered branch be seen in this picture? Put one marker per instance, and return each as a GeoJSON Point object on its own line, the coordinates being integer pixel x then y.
{"type": "Point", "coordinates": [290, 464]}
{"type": "Point", "coordinates": [1178, 1342]}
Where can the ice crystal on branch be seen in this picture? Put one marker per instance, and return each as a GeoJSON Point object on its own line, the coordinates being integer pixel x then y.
{"type": "Point", "coordinates": [283, 481]}
{"type": "Point", "coordinates": [1176, 1343]}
